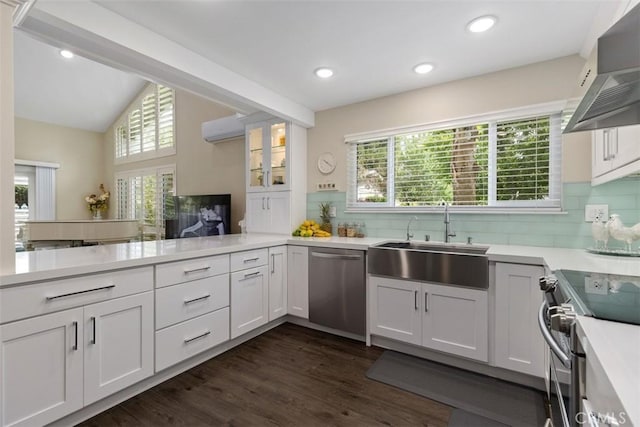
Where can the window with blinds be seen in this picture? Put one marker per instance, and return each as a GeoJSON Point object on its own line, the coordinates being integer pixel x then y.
{"type": "Point", "coordinates": [511, 163]}
{"type": "Point", "coordinates": [146, 195]}
{"type": "Point", "coordinates": [146, 129]}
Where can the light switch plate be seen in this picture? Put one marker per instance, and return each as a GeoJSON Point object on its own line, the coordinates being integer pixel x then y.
{"type": "Point", "coordinates": [590, 212]}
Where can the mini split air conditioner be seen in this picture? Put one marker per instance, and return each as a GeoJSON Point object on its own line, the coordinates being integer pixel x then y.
{"type": "Point", "coordinates": [223, 128]}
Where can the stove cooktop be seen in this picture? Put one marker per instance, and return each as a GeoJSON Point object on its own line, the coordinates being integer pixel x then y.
{"type": "Point", "coordinates": [604, 296]}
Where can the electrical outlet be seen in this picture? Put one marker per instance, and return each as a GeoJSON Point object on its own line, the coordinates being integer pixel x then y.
{"type": "Point", "coordinates": [596, 285]}
{"type": "Point", "coordinates": [591, 211]}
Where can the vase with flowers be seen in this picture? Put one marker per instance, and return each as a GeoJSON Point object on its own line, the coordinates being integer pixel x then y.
{"type": "Point", "coordinates": [98, 203]}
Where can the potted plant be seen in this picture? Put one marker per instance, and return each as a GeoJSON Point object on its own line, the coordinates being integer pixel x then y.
{"type": "Point", "coordinates": [325, 224]}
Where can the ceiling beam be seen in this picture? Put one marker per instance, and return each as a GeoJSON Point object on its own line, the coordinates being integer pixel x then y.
{"type": "Point", "coordinates": [101, 35]}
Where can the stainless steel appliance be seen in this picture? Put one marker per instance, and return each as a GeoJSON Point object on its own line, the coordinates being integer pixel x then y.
{"type": "Point", "coordinates": [337, 289]}
{"type": "Point", "coordinates": [613, 95]}
{"type": "Point", "coordinates": [570, 293]}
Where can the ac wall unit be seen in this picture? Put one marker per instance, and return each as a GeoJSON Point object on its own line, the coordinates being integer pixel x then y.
{"type": "Point", "coordinates": [223, 128]}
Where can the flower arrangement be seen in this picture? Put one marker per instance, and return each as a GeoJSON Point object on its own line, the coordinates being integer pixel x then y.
{"type": "Point", "coordinates": [99, 203]}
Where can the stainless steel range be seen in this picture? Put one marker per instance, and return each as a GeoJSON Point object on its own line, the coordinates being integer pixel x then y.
{"type": "Point", "coordinates": [569, 293]}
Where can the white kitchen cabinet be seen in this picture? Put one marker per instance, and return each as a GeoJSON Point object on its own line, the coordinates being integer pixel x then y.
{"type": "Point", "coordinates": [276, 175]}
{"type": "Point", "coordinates": [249, 299]}
{"type": "Point", "coordinates": [395, 309]}
{"type": "Point", "coordinates": [42, 368]}
{"type": "Point", "coordinates": [455, 320]}
{"type": "Point", "coordinates": [450, 319]}
{"type": "Point", "coordinates": [118, 344]}
{"type": "Point", "coordinates": [269, 212]}
{"type": "Point", "coordinates": [277, 282]}
{"type": "Point", "coordinates": [267, 154]}
{"type": "Point", "coordinates": [519, 346]}
{"type": "Point", "coordinates": [615, 153]}
{"type": "Point", "coordinates": [298, 281]}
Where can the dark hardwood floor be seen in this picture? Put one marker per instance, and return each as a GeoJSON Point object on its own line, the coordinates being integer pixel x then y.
{"type": "Point", "coordinates": [289, 376]}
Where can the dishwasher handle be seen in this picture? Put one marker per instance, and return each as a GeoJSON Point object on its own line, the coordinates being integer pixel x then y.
{"type": "Point", "coordinates": [335, 256]}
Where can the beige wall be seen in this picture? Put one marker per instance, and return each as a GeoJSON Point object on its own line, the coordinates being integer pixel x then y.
{"type": "Point", "coordinates": [79, 153]}
{"type": "Point", "coordinates": [201, 167]}
{"type": "Point", "coordinates": [7, 199]}
{"type": "Point", "coordinates": [532, 84]}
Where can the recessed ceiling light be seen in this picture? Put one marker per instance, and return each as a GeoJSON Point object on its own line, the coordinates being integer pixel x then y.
{"type": "Point", "coordinates": [324, 72]}
{"type": "Point", "coordinates": [423, 68]}
{"type": "Point", "coordinates": [66, 53]}
{"type": "Point", "coordinates": [482, 24]}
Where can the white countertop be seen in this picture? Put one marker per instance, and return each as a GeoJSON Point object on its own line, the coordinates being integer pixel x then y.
{"type": "Point", "coordinates": [616, 350]}
{"type": "Point", "coordinates": [616, 345]}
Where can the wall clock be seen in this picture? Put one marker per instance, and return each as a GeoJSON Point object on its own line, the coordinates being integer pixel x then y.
{"type": "Point", "coordinates": [326, 163]}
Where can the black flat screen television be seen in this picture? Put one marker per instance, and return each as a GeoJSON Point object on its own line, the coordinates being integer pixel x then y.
{"type": "Point", "coordinates": [197, 216]}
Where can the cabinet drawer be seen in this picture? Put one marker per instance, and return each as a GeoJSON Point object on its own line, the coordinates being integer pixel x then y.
{"type": "Point", "coordinates": [185, 301]}
{"type": "Point", "coordinates": [181, 341]}
{"type": "Point", "coordinates": [248, 259]}
{"type": "Point", "coordinates": [31, 300]}
{"type": "Point", "coordinates": [183, 271]}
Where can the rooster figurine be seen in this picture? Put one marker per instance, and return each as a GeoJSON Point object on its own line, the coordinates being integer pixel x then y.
{"type": "Point", "coordinates": [618, 231]}
{"type": "Point", "coordinates": [600, 232]}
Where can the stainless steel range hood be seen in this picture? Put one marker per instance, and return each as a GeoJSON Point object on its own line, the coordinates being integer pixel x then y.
{"type": "Point", "coordinates": [613, 99]}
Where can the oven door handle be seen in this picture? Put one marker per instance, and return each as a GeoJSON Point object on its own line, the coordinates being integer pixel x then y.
{"type": "Point", "coordinates": [546, 334]}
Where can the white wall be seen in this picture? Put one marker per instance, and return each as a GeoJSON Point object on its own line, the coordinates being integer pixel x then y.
{"type": "Point", "coordinates": [532, 84]}
{"type": "Point", "coordinates": [79, 153]}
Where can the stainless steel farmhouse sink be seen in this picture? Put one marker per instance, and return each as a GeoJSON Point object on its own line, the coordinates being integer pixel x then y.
{"type": "Point", "coordinates": [453, 264]}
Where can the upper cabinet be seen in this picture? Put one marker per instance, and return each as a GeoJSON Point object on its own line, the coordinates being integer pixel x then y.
{"type": "Point", "coordinates": [615, 153]}
{"type": "Point", "coordinates": [268, 156]}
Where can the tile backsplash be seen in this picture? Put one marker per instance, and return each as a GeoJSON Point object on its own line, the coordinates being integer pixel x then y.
{"type": "Point", "coordinates": [567, 229]}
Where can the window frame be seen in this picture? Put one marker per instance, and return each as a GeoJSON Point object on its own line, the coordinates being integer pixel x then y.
{"type": "Point", "coordinates": [554, 205]}
{"type": "Point", "coordinates": [121, 129]}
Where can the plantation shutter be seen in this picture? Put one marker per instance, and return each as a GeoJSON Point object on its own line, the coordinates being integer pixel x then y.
{"type": "Point", "coordinates": [122, 198]}
{"type": "Point", "coordinates": [142, 195]}
{"type": "Point", "coordinates": [165, 117]}
{"type": "Point", "coordinates": [135, 132]}
{"type": "Point", "coordinates": [149, 116]}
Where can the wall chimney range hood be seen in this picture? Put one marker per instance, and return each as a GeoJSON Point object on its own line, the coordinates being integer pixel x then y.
{"type": "Point", "coordinates": [613, 96]}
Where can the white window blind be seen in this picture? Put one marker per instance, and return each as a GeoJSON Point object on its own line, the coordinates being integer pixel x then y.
{"type": "Point", "coordinates": [511, 163]}
{"type": "Point", "coordinates": [146, 129]}
{"type": "Point", "coordinates": [143, 194]}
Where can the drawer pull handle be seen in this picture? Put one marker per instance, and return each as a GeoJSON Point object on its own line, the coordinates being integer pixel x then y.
{"type": "Point", "coordinates": [188, 340]}
{"type": "Point", "coordinates": [93, 322]}
{"type": "Point", "coordinates": [415, 299]}
{"type": "Point", "coordinates": [426, 302]}
{"type": "Point", "coordinates": [70, 294]}
{"type": "Point", "coordinates": [246, 260]}
{"type": "Point", "coordinates": [75, 342]}
{"type": "Point", "coordinates": [197, 270]}
{"type": "Point", "coordinates": [251, 274]}
{"type": "Point", "coordinates": [189, 301]}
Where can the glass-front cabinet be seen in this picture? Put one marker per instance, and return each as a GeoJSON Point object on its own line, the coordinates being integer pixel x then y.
{"type": "Point", "coordinates": [268, 148]}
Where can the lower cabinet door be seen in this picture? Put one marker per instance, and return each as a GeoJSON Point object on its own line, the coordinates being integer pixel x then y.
{"type": "Point", "coordinates": [249, 300]}
{"type": "Point", "coordinates": [455, 320]}
{"type": "Point", "coordinates": [118, 344]}
{"type": "Point", "coordinates": [179, 342]}
{"type": "Point", "coordinates": [518, 344]}
{"type": "Point", "coordinates": [395, 309]}
{"type": "Point", "coordinates": [277, 282]}
{"type": "Point", "coordinates": [298, 281]}
{"type": "Point", "coordinates": [41, 368]}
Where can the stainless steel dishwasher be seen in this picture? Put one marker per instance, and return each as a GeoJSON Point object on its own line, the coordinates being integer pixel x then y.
{"type": "Point", "coordinates": [337, 289]}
